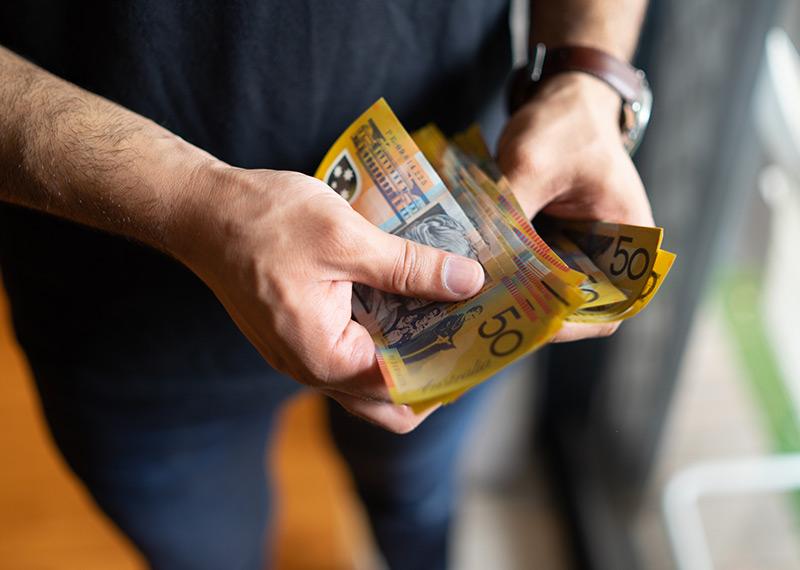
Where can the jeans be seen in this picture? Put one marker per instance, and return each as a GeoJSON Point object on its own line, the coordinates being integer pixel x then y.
{"type": "Point", "coordinates": [176, 459]}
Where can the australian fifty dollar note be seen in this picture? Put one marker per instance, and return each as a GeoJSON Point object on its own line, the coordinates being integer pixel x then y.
{"type": "Point", "coordinates": [431, 352]}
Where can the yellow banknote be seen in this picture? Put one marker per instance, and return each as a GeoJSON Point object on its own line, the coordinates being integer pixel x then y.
{"type": "Point", "coordinates": [378, 169]}
{"type": "Point", "coordinates": [488, 333]}
{"type": "Point", "coordinates": [471, 142]}
{"type": "Point", "coordinates": [597, 286]}
{"type": "Point", "coordinates": [664, 261]}
{"type": "Point", "coordinates": [555, 282]}
{"type": "Point", "coordinates": [626, 254]}
{"type": "Point", "coordinates": [429, 351]}
{"type": "Point", "coordinates": [450, 194]}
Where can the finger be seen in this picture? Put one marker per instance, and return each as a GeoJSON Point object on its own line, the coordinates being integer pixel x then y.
{"type": "Point", "coordinates": [402, 266]}
{"type": "Point", "coordinates": [625, 196]}
{"type": "Point", "coordinates": [399, 419]}
{"type": "Point", "coordinates": [530, 180]}
{"type": "Point", "coordinates": [631, 187]}
{"type": "Point", "coordinates": [353, 366]}
{"type": "Point", "coordinates": [580, 331]}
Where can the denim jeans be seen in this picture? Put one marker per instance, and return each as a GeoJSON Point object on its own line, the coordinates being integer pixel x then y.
{"type": "Point", "coordinates": [176, 459]}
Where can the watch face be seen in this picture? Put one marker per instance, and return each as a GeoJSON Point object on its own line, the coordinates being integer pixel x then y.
{"type": "Point", "coordinates": [636, 116]}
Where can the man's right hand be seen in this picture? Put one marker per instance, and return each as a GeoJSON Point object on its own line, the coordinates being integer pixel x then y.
{"type": "Point", "coordinates": [281, 250]}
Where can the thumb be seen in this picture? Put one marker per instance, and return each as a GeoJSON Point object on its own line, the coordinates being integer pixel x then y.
{"type": "Point", "coordinates": [396, 265]}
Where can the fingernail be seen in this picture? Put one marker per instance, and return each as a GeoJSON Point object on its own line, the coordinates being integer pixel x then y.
{"type": "Point", "coordinates": [462, 276]}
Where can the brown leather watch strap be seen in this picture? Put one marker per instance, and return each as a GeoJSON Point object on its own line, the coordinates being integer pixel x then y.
{"type": "Point", "coordinates": [617, 73]}
{"type": "Point", "coordinates": [547, 62]}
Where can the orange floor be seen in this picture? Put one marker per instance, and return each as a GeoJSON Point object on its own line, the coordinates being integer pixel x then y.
{"type": "Point", "coordinates": [47, 520]}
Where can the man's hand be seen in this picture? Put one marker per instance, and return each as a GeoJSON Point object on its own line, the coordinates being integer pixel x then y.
{"type": "Point", "coordinates": [563, 156]}
{"type": "Point", "coordinates": [281, 251]}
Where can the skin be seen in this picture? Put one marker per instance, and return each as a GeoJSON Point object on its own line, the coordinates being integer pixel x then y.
{"type": "Point", "coordinates": [561, 151]}
{"type": "Point", "coordinates": [281, 250]}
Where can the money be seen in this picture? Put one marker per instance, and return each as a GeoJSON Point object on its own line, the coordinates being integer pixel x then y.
{"type": "Point", "coordinates": [625, 254]}
{"type": "Point", "coordinates": [450, 194]}
{"type": "Point", "coordinates": [548, 275]}
{"type": "Point", "coordinates": [597, 286]}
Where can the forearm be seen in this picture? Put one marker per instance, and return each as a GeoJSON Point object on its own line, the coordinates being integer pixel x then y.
{"type": "Point", "coordinates": [610, 25]}
{"type": "Point", "coordinates": [73, 154]}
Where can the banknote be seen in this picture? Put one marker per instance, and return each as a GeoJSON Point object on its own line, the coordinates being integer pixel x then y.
{"type": "Point", "coordinates": [598, 287]}
{"type": "Point", "coordinates": [429, 351]}
{"type": "Point", "coordinates": [491, 331]}
{"type": "Point", "coordinates": [450, 194]}
{"type": "Point", "coordinates": [379, 170]}
{"type": "Point", "coordinates": [664, 262]}
{"type": "Point", "coordinates": [603, 298]}
{"type": "Point", "coordinates": [626, 255]}
{"type": "Point", "coordinates": [477, 155]}
{"type": "Point", "coordinates": [557, 249]}
{"type": "Point", "coordinates": [555, 283]}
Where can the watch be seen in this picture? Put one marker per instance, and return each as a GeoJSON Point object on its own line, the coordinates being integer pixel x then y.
{"type": "Point", "coordinates": [629, 82]}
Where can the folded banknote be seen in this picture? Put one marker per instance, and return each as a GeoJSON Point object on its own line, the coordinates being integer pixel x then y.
{"type": "Point", "coordinates": [449, 194]}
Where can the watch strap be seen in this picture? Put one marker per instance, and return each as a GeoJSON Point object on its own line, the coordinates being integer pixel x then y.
{"type": "Point", "coordinates": [545, 63]}
{"type": "Point", "coordinates": [620, 75]}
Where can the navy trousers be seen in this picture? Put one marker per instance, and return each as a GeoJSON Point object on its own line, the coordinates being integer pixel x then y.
{"type": "Point", "coordinates": [177, 460]}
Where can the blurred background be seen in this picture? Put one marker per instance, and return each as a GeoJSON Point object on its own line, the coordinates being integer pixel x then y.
{"type": "Point", "coordinates": [673, 444]}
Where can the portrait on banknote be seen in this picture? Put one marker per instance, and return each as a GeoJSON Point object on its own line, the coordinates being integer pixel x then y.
{"type": "Point", "coordinates": [400, 318]}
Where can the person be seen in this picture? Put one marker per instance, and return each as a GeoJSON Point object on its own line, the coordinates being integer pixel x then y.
{"type": "Point", "coordinates": [174, 276]}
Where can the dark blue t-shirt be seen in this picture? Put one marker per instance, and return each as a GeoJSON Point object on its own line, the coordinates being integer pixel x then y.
{"type": "Point", "coordinates": [267, 84]}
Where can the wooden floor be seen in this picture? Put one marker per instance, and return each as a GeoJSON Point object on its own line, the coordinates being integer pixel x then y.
{"type": "Point", "coordinates": [47, 520]}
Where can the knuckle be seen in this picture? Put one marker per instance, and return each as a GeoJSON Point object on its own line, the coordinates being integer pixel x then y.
{"type": "Point", "coordinates": [330, 361]}
{"type": "Point", "coordinates": [286, 178]}
{"type": "Point", "coordinates": [338, 358]}
{"type": "Point", "coordinates": [331, 368]}
{"type": "Point", "coordinates": [325, 361]}
{"type": "Point", "coordinates": [407, 272]}
{"type": "Point", "coordinates": [358, 355]}
{"type": "Point", "coordinates": [318, 371]}
{"type": "Point", "coordinates": [277, 292]}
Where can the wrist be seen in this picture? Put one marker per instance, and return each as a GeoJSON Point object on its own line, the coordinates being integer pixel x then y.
{"type": "Point", "coordinates": [193, 214]}
{"type": "Point", "coordinates": [585, 88]}
{"type": "Point", "coordinates": [635, 96]}
{"type": "Point", "coordinates": [581, 92]}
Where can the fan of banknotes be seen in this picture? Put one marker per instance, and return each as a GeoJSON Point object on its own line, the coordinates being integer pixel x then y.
{"type": "Point", "coordinates": [449, 194]}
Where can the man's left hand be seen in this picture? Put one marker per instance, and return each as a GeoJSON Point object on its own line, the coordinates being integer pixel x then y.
{"type": "Point", "coordinates": [563, 155]}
